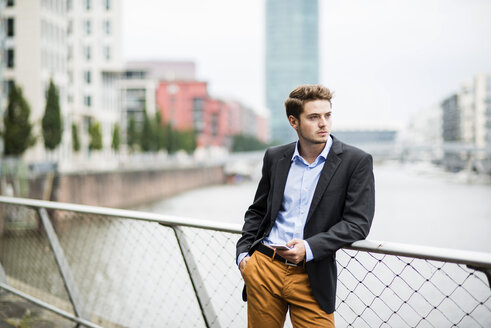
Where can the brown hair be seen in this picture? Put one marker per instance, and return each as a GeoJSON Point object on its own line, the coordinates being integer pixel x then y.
{"type": "Point", "coordinates": [304, 93]}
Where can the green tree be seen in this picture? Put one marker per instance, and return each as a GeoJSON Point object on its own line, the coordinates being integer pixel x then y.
{"type": "Point", "coordinates": [132, 134]}
{"type": "Point", "coordinates": [116, 138]}
{"type": "Point", "coordinates": [51, 123]}
{"type": "Point", "coordinates": [147, 139]}
{"type": "Point", "coordinates": [187, 140]}
{"type": "Point", "coordinates": [160, 132]}
{"type": "Point", "coordinates": [168, 137]}
{"type": "Point", "coordinates": [75, 138]}
{"type": "Point", "coordinates": [244, 142]}
{"type": "Point", "coordinates": [18, 131]}
{"type": "Point", "coordinates": [172, 139]}
{"type": "Point", "coordinates": [95, 135]}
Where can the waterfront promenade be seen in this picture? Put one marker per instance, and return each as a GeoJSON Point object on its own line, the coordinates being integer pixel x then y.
{"type": "Point", "coordinates": [17, 312]}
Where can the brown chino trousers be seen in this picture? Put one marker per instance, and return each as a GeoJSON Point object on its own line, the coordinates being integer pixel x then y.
{"type": "Point", "coordinates": [274, 287]}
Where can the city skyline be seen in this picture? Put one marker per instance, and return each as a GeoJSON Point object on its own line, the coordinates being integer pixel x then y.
{"type": "Point", "coordinates": [384, 61]}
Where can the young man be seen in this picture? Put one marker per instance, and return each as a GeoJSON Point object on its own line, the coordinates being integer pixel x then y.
{"type": "Point", "coordinates": [315, 196]}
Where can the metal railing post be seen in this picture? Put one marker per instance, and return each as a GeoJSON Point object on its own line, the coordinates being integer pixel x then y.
{"type": "Point", "coordinates": [63, 266]}
{"type": "Point", "coordinates": [3, 276]}
{"type": "Point", "coordinates": [204, 300]}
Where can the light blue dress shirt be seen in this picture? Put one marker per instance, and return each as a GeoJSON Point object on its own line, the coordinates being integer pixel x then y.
{"type": "Point", "coordinates": [299, 190]}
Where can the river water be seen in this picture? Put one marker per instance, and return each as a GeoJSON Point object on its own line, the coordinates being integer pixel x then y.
{"type": "Point", "coordinates": [415, 204]}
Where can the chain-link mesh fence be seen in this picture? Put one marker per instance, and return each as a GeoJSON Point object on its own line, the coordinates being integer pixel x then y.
{"type": "Point", "coordinates": [27, 259]}
{"type": "Point", "coordinates": [134, 273]}
{"type": "Point", "coordinates": [378, 290]}
{"type": "Point", "coordinates": [129, 273]}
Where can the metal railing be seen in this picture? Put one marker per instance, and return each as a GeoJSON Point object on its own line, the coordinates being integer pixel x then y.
{"type": "Point", "coordinates": [102, 267]}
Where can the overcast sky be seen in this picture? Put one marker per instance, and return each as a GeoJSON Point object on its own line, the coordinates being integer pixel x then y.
{"type": "Point", "coordinates": [385, 60]}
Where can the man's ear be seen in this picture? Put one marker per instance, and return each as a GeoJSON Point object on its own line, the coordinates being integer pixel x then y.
{"type": "Point", "coordinates": [293, 121]}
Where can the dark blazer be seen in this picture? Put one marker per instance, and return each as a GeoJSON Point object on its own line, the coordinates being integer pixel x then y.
{"type": "Point", "coordinates": [341, 211]}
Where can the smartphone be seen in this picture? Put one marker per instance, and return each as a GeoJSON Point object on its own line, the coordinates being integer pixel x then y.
{"type": "Point", "coordinates": [280, 246]}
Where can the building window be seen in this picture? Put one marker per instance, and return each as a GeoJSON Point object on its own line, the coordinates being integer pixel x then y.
{"type": "Point", "coordinates": [198, 108]}
{"type": "Point", "coordinates": [7, 86]}
{"type": "Point", "coordinates": [45, 33]}
{"type": "Point", "coordinates": [107, 4]}
{"type": "Point", "coordinates": [46, 87]}
{"type": "Point", "coordinates": [107, 27]}
{"type": "Point", "coordinates": [69, 53]}
{"type": "Point", "coordinates": [87, 4]}
{"type": "Point", "coordinates": [10, 3]}
{"type": "Point", "coordinates": [214, 125]}
{"type": "Point", "coordinates": [44, 60]}
{"type": "Point", "coordinates": [70, 27]}
{"type": "Point", "coordinates": [70, 77]}
{"type": "Point", "coordinates": [10, 27]}
{"type": "Point", "coordinates": [43, 29]}
{"type": "Point", "coordinates": [107, 52]}
{"type": "Point", "coordinates": [87, 77]}
{"type": "Point", "coordinates": [88, 101]}
{"type": "Point", "coordinates": [87, 123]}
{"type": "Point", "coordinates": [10, 86]}
{"type": "Point", "coordinates": [87, 27]}
{"type": "Point", "coordinates": [10, 58]}
{"type": "Point", "coordinates": [87, 52]}
{"type": "Point", "coordinates": [69, 5]}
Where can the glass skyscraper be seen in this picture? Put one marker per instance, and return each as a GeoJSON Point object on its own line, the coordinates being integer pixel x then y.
{"type": "Point", "coordinates": [292, 57]}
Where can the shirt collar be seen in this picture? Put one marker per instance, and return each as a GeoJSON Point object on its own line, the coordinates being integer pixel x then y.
{"type": "Point", "coordinates": [323, 153]}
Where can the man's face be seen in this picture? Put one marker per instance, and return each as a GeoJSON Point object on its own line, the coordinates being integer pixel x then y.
{"type": "Point", "coordinates": [314, 123]}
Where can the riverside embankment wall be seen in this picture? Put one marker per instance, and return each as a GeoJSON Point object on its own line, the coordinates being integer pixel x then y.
{"type": "Point", "coordinates": [116, 188]}
{"type": "Point", "coordinates": [126, 189]}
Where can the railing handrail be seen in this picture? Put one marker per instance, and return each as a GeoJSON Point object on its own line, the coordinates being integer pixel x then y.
{"type": "Point", "coordinates": [166, 220]}
{"type": "Point", "coordinates": [479, 259]}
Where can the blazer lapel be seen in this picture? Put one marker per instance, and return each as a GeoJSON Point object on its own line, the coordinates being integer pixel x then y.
{"type": "Point", "coordinates": [330, 166]}
{"type": "Point", "coordinates": [281, 174]}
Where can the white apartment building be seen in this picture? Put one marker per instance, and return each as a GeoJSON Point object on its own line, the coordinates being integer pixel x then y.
{"type": "Point", "coordinates": [475, 111]}
{"type": "Point", "coordinates": [95, 62]}
{"type": "Point", "coordinates": [137, 95]}
{"type": "Point", "coordinates": [466, 109]}
{"type": "Point", "coordinates": [482, 87]}
{"type": "Point", "coordinates": [139, 83]}
{"type": "Point", "coordinates": [34, 52]}
{"type": "Point", "coordinates": [466, 122]}
{"type": "Point", "coordinates": [77, 43]}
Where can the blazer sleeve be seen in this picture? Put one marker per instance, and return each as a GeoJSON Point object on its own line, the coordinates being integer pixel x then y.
{"type": "Point", "coordinates": [357, 213]}
{"type": "Point", "coordinates": [257, 211]}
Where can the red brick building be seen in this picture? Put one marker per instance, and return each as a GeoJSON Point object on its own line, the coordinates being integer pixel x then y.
{"type": "Point", "coordinates": [186, 105]}
{"type": "Point", "coordinates": [182, 103]}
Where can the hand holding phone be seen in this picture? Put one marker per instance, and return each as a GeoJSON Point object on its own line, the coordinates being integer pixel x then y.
{"type": "Point", "coordinates": [280, 246]}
